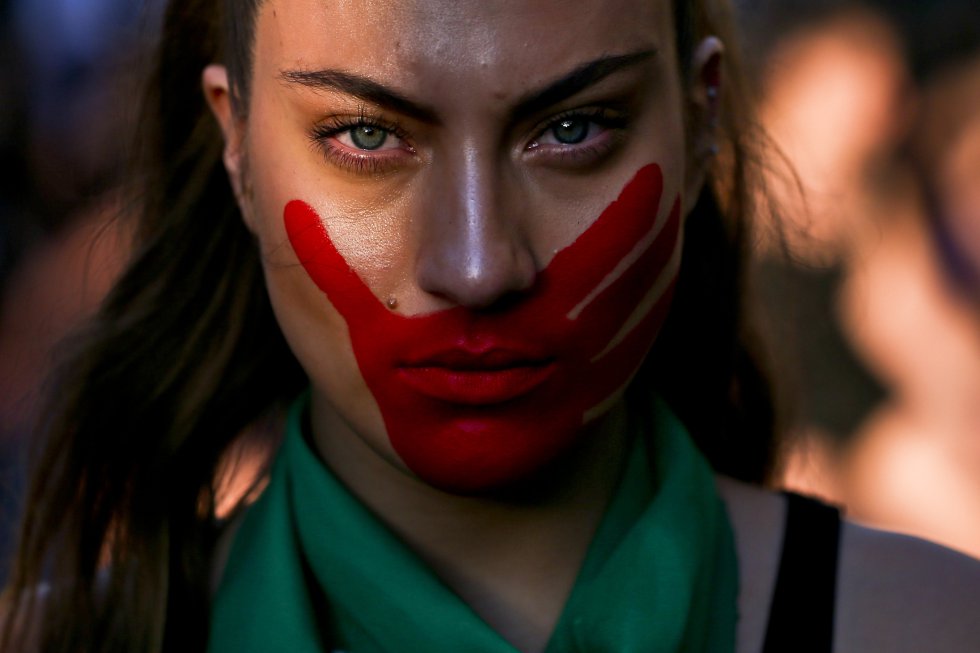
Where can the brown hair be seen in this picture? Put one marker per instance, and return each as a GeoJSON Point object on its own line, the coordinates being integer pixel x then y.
{"type": "Point", "coordinates": [179, 360]}
{"type": "Point", "coordinates": [706, 363]}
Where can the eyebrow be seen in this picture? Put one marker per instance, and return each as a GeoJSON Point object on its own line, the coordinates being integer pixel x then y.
{"type": "Point", "coordinates": [578, 80]}
{"type": "Point", "coordinates": [360, 87]}
{"type": "Point", "coordinates": [574, 82]}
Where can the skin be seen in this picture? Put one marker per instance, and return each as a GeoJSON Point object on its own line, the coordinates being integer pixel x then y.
{"type": "Point", "coordinates": [462, 209]}
{"type": "Point", "coordinates": [467, 222]}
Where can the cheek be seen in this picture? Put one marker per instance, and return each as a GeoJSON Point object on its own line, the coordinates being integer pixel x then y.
{"type": "Point", "coordinates": [319, 337]}
{"type": "Point", "coordinates": [316, 333]}
{"type": "Point", "coordinates": [372, 236]}
{"type": "Point", "coordinates": [282, 162]}
{"type": "Point", "coordinates": [475, 400]}
{"type": "Point", "coordinates": [370, 228]}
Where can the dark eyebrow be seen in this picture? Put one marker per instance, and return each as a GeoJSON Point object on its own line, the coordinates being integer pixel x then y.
{"type": "Point", "coordinates": [578, 80]}
{"type": "Point", "coordinates": [361, 87]}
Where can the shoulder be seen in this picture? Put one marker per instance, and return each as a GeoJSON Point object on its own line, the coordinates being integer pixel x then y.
{"type": "Point", "coordinates": [898, 593]}
{"type": "Point", "coordinates": [894, 593]}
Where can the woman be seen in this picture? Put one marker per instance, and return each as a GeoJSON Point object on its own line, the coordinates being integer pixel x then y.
{"type": "Point", "coordinates": [468, 219]}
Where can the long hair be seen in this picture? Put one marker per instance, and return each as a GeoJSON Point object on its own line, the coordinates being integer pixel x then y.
{"type": "Point", "coordinates": [708, 362]}
{"type": "Point", "coordinates": [185, 354]}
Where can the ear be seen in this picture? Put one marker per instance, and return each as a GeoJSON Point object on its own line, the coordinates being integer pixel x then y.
{"type": "Point", "coordinates": [217, 92]}
{"type": "Point", "coordinates": [704, 104]}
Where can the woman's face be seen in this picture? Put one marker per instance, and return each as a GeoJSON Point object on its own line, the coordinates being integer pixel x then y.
{"type": "Point", "coordinates": [469, 215]}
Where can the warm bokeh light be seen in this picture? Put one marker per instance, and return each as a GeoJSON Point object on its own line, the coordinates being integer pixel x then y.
{"type": "Point", "coordinates": [888, 206]}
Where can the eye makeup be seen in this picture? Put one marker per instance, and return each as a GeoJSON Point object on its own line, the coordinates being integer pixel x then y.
{"type": "Point", "coordinates": [384, 145]}
{"type": "Point", "coordinates": [593, 133]}
{"type": "Point", "coordinates": [392, 149]}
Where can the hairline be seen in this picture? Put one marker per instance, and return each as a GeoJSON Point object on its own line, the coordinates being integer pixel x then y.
{"type": "Point", "coordinates": [239, 25]}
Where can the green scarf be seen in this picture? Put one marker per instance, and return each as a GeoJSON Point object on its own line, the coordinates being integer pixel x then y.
{"type": "Point", "coordinates": [660, 574]}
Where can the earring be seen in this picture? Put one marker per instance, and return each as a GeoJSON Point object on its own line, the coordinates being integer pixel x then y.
{"type": "Point", "coordinates": [392, 303]}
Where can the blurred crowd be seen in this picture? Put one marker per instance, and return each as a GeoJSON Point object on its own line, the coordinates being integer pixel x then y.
{"type": "Point", "coordinates": [868, 271]}
{"type": "Point", "coordinates": [869, 268]}
{"type": "Point", "coordinates": [68, 94]}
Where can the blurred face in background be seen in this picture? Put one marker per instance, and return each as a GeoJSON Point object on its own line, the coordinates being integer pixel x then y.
{"type": "Point", "coordinates": [835, 102]}
{"type": "Point", "coordinates": [947, 144]}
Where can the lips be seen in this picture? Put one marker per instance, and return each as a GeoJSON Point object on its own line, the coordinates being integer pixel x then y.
{"type": "Point", "coordinates": [475, 376]}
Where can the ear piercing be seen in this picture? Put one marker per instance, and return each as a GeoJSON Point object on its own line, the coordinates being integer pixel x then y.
{"type": "Point", "coordinates": [392, 303]}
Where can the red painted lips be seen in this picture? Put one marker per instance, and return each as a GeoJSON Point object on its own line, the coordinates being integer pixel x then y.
{"type": "Point", "coordinates": [475, 373]}
{"type": "Point", "coordinates": [475, 387]}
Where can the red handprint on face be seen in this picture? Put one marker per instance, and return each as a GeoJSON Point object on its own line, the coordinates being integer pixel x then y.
{"type": "Point", "coordinates": [475, 399]}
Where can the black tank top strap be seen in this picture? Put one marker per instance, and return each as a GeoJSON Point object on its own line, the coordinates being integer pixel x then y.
{"type": "Point", "coordinates": [801, 618]}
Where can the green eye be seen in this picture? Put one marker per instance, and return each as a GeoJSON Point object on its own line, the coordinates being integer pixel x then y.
{"type": "Point", "coordinates": [368, 137]}
{"type": "Point", "coordinates": [570, 131]}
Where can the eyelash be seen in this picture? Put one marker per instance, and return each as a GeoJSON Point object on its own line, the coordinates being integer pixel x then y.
{"type": "Point", "coordinates": [373, 162]}
{"type": "Point", "coordinates": [325, 133]}
{"type": "Point", "coordinates": [592, 149]}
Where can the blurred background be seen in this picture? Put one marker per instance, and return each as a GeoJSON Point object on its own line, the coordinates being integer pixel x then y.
{"type": "Point", "coordinates": [868, 274]}
{"type": "Point", "coordinates": [67, 102]}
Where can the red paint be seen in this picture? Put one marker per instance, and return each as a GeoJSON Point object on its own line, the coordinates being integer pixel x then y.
{"type": "Point", "coordinates": [475, 386]}
{"type": "Point", "coordinates": [476, 399]}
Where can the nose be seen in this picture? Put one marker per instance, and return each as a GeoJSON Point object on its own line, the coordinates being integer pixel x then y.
{"type": "Point", "coordinates": [473, 250]}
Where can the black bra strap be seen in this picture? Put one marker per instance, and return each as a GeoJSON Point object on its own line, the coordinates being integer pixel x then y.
{"type": "Point", "coordinates": [801, 618]}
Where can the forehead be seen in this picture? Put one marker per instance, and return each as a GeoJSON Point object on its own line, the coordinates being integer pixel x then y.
{"type": "Point", "coordinates": [507, 43]}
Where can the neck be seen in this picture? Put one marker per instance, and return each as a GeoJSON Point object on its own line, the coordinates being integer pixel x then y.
{"type": "Point", "coordinates": [512, 556]}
